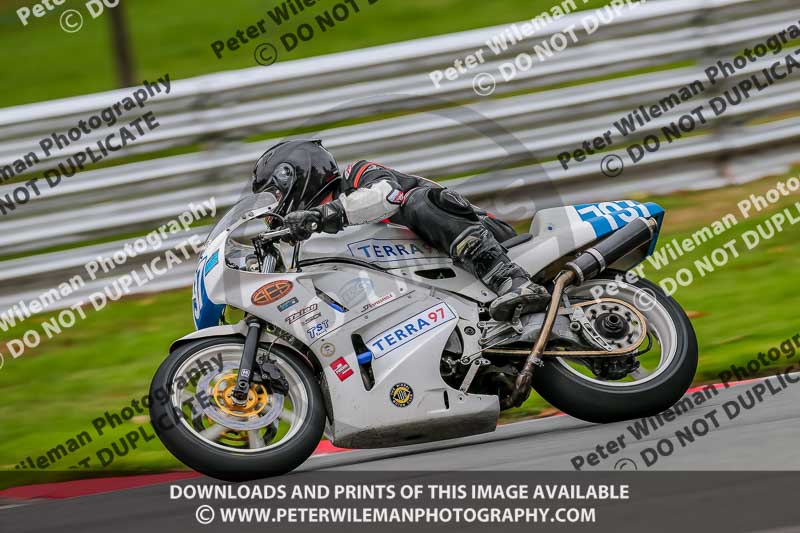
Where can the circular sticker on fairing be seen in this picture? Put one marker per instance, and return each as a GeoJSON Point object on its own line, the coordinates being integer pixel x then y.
{"type": "Point", "coordinates": [402, 395]}
{"type": "Point", "coordinates": [327, 349]}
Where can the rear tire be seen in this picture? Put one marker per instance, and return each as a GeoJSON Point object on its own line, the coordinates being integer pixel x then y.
{"type": "Point", "coordinates": [603, 403]}
{"type": "Point", "coordinates": [229, 464]}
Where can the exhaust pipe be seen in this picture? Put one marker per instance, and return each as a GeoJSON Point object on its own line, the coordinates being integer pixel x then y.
{"type": "Point", "coordinates": [586, 266]}
{"type": "Point", "coordinates": [522, 386]}
{"type": "Point", "coordinates": [596, 259]}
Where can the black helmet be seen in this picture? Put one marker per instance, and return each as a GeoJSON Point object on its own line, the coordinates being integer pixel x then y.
{"type": "Point", "coordinates": [300, 173]}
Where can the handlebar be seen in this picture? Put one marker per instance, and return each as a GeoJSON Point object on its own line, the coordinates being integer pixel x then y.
{"type": "Point", "coordinates": [267, 235]}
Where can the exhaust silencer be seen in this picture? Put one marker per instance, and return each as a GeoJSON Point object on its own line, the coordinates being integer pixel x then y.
{"type": "Point", "coordinates": [596, 259]}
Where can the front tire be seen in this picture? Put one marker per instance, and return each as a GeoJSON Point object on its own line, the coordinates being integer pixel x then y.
{"type": "Point", "coordinates": [272, 435]}
{"type": "Point", "coordinates": [603, 401]}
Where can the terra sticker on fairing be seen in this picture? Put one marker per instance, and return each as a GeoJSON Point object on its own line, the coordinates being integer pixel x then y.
{"type": "Point", "coordinates": [393, 250]}
{"type": "Point", "coordinates": [410, 329]}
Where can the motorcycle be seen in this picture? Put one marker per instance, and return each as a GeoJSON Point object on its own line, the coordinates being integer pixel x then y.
{"type": "Point", "coordinates": [375, 339]}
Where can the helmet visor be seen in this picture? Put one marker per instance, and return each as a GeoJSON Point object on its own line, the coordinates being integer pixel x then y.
{"type": "Point", "coordinates": [282, 179]}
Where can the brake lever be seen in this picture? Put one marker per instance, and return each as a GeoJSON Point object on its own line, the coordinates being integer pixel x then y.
{"type": "Point", "coordinates": [269, 235]}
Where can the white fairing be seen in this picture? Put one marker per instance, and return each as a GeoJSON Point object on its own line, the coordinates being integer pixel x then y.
{"type": "Point", "coordinates": [368, 285]}
{"type": "Point", "coordinates": [556, 232]}
{"type": "Point", "coordinates": [378, 307]}
{"type": "Point", "coordinates": [398, 251]}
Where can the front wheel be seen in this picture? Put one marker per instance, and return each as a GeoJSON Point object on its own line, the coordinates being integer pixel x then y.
{"type": "Point", "coordinates": [195, 416]}
{"type": "Point", "coordinates": [609, 391]}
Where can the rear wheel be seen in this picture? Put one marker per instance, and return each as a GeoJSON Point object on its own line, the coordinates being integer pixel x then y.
{"type": "Point", "coordinates": [650, 383]}
{"type": "Point", "coordinates": [271, 433]}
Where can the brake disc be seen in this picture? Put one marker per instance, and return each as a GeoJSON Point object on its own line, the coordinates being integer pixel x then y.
{"type": "Point", "coordinates": [215, 396]}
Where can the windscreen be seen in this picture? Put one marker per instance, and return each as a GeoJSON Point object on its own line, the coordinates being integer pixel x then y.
{"type": "Point", "coordinates": [246, 205]}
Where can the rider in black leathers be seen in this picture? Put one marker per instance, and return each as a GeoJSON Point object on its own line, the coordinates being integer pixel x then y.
{"type": "Point", "coordinates": [314, 197]}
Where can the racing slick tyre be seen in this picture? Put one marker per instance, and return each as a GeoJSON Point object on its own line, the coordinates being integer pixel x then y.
{"type": "Point", "coordinates": [657, 379]}
{"type": "Point", "coordinates": [194, 413]}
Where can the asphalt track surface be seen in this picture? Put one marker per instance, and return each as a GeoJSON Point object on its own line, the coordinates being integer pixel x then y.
{"type": "Point", "coordinates": [762, 440]}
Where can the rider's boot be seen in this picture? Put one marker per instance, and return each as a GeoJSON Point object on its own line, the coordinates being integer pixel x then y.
{"type": "Point", "coordinates": [479, 252]}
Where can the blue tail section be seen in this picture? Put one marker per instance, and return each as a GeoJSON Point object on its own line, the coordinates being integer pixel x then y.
{"type": "Point", "coordinates": [608, 217]}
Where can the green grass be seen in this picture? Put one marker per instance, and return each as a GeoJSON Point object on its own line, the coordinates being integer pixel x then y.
{"type": "Point", "coordinates": [42, 62]}
{"type": "Point", "coordinates": [55, 391]}
{"type": "Point", "coordinates": [749, 305]}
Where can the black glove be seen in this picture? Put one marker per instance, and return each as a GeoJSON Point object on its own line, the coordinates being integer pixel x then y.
{"type": "Point", "coordinates": [302, 224]}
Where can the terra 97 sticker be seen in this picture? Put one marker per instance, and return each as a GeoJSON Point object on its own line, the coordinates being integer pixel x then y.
{"type": "Point", "coordinates": [410, 329]}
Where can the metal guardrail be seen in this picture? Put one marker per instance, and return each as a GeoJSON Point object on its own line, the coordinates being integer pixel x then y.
{"type": "Point", "coordinates": [444, 133]}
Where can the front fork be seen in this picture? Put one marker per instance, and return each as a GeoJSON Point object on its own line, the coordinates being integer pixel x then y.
{"type": "Point", "coordinates": [267, 258]}
{"type": "Point", "coordinates": [254, 328]}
